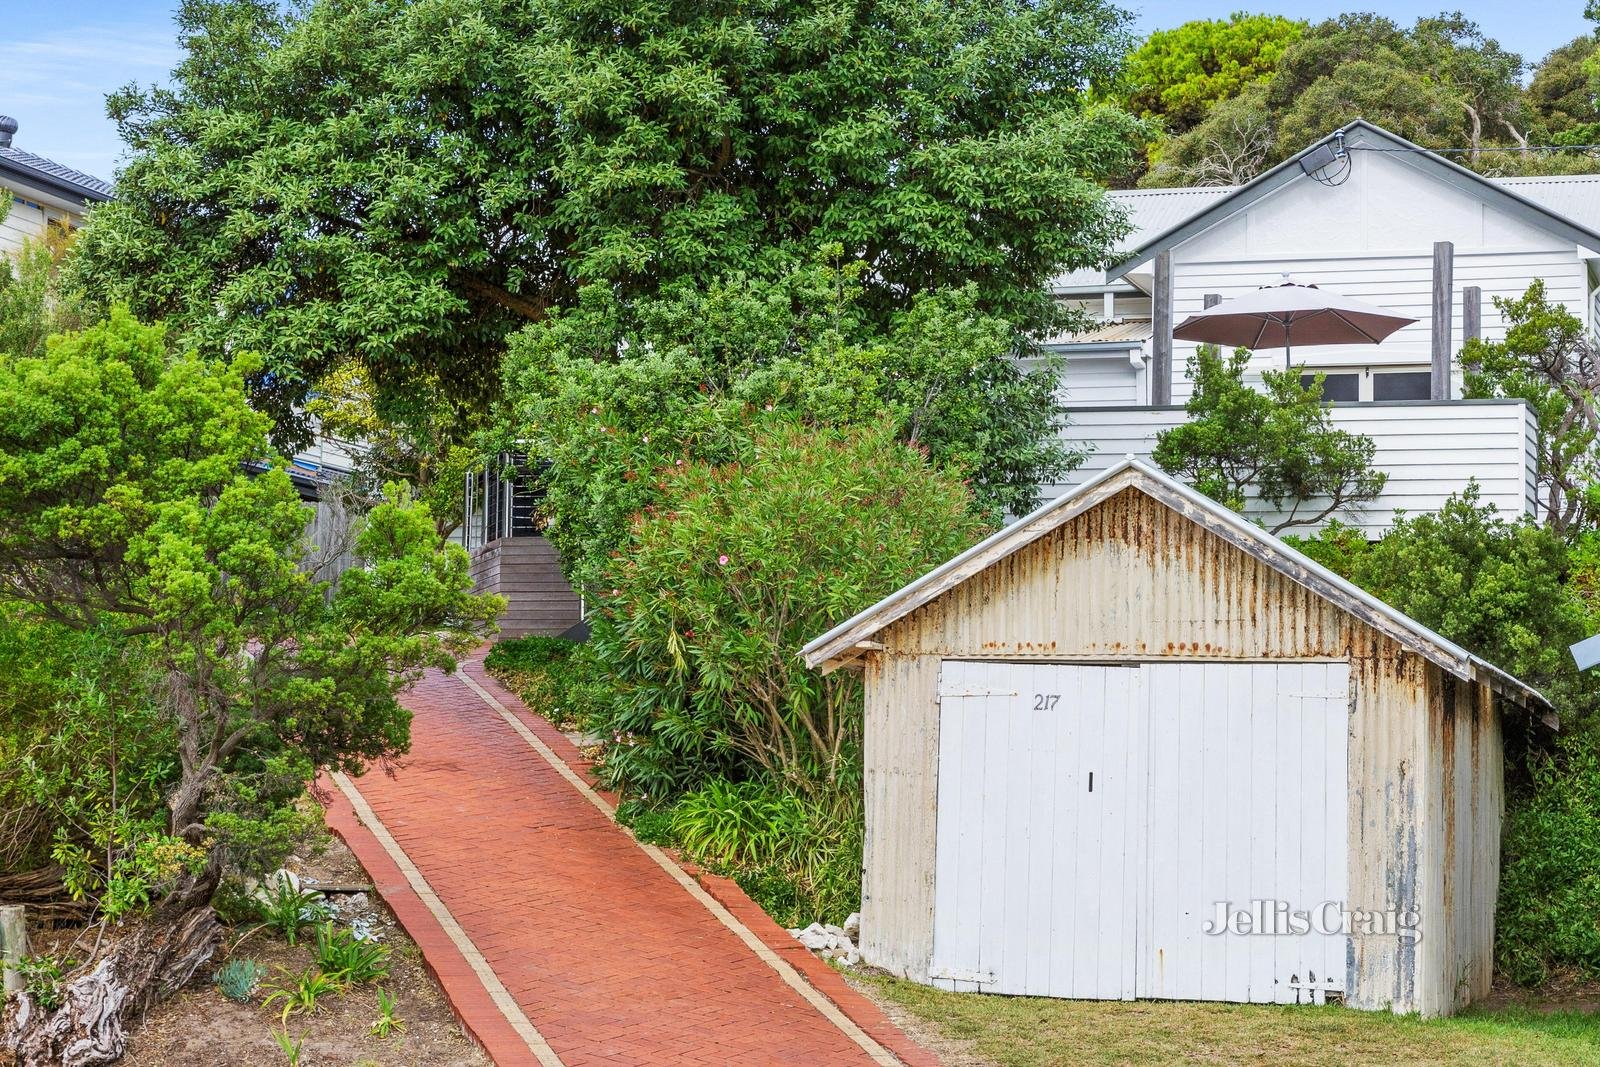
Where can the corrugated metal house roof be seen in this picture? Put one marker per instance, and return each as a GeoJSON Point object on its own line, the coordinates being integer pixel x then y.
{"type": "Point", "coordinates": [1575, 196]}
{"type": "Point", "coordinates": [1130, 330]}
{"type": "Point", "coordinates": [1151, 211]}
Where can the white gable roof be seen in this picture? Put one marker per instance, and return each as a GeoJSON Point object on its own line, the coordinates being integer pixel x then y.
{"type": "Point", "coordinates": [843, 641]}
{"type": "Point", "coordinates": [1570, 199]}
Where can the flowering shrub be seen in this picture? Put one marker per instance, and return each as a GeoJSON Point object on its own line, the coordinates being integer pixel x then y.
{"type": "Point", "coordinates": [740, 564]}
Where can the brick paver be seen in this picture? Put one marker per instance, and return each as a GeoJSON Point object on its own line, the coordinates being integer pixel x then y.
{"type": "Point", "coordinates": [607, 955]}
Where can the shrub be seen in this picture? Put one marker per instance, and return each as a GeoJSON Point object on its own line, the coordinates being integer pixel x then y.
{"type": "Point", "coordinates": [556, 677]}
{"type": "Point", "coordinates": [141, 507]}
{"type": "Point", "coordinates": [42, 979]}
{"type": "Point", "coordinates": [387, 1022]}
{"type": "Point", "coordinates": [1496, 586]}
{"type": "Point", "coordinates": [303, 994]}
{"type": "Point", "coordinates": [1277, 443]}
{"type": "Point", "coordinates": [798, 857]}
{"type": "Point", "coordinates": [720, 586]}
{"type": "Point", "coordinates": [288, 909]}
{"type": "Point", "coordinates": [86, 746]}
{"type": "Point", "coordinates": [1550, 878]}
{"type": "Point", "coordinates": [612, 390]}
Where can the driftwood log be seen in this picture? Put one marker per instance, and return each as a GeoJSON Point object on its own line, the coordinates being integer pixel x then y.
{"type": "Point", "coordinates": [44, 894]}
{"type": "Point", "coordinates": [150, 962]}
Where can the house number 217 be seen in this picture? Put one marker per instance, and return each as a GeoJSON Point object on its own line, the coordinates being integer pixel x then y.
{"type": "Point", "coordinates": [1045, 701]}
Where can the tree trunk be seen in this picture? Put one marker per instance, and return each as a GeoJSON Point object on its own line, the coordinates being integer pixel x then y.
{"type": "Point", "coordinates": [157, 958]}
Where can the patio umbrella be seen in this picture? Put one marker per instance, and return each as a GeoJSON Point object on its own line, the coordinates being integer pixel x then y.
{"type": "Point", "coordinates": [1288, 314]}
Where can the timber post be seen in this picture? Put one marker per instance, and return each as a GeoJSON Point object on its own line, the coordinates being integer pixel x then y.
{"type": "Point", "coordinates": [13, 945]}
{"type": "Point", "coordinates": [1161, 333]}
{"type": "Point", "coordinates": [1444, 254]}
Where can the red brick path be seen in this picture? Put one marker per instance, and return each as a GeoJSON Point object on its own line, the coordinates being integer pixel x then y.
{"type": "Point", "coordinates": [611, 959]}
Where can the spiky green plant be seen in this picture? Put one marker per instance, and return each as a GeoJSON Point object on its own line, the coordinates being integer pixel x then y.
{"type": "Point", "coordinates": [341, 952]}
{"type": "Point", "coordinates": [387, 1021]}
{"type": "Point", "coordinates": [239, 979]}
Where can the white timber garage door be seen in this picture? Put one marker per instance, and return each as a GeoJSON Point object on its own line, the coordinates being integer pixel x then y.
{"type": "Point", "coordinates": [1095, 821]}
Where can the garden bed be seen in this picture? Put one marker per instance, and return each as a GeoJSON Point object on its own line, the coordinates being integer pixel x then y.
{"type": "Point", "coordinates": [201, 1026]}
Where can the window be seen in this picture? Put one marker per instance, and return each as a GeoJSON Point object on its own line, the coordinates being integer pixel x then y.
{"type": "Point", "coordinates": [1341, 386]}
{"type": "Point", "coordinates": [1346, 384]}
{"type": "Point", "coordinates": [1402, 385]}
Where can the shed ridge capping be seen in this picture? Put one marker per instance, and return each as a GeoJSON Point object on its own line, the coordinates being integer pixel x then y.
{"type": "Point", "coordinates": [1268, 549]}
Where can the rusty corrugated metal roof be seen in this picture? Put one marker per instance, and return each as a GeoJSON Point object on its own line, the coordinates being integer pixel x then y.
{"type": "Point", "coordinates": [1130, 330]}
{"type": "Point", "coordinates": [852, 635]}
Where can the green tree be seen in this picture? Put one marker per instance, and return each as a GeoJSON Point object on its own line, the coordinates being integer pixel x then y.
{"type": "Point", "coordinates": [1559, 96]}
{"type": "Point", "coordinates": [1493, 585]}
{"type": "Point", "coordinates": [608, 393]}
{"type": "Point", "coordinates": [1179, 75]}
{"type": "Point", "coordinates": [1276, 445]}
{"type": "Point", "coordinates": [1441, 83]}
{"type": "Point", "coordinates": [1547, 359]}
{"type": "Point", "coordinates": [139, 500]}
{"type": "Point", "coordinates": [744, 561]}
{"type": "Point", "coordinates": [402, 185]}
{"type": "Point", "coordinates": [33, 302]}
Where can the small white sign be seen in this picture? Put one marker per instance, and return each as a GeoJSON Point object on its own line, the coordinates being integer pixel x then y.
{"type": "Point", "coordinates": [1587, 652]}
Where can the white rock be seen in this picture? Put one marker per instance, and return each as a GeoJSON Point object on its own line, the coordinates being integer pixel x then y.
{"type": "Point", "coordinates": [852, 927]}
{"type": "Point", "coordinates": [836, 931]}
{"type": "Point", "coordinates": [814, 937]}
{"type": "Point", "coordinates": [851, 958]}
{"type": "Point", "coordinates": [269, 885]}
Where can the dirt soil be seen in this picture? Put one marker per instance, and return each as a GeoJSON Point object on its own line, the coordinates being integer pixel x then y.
{"type": "Point", "coordinates": [1566, 990]}
{"type": "Point", "coordinates": [952, 1051]}
{"type": "Point", "coordinates": [203, 1028]}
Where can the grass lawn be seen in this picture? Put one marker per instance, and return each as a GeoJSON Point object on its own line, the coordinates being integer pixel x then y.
{"type": "Point", "coordinates": [1033, 1032]}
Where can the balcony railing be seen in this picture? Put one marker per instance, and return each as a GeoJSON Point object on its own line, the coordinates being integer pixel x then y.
{"type": "Point", "coordinates": [1430, 449]}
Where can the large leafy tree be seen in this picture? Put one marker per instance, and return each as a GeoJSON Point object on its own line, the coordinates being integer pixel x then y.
{"type": "Point", "coordinates": [1179, 75]}
{"type": "Point", "coordinates": [403, 184]}
{"type": "Point", "coordinates": [608, 392]}
{"type": "Point", "coordinates": [1441, 83]}
{"type": "Point", "coordinates": [139, 502]}
{"type": "Point", "coordinates": [1559, 96]}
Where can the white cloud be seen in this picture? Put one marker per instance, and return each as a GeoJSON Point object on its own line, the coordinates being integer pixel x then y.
{"type": "Point", "coordinates": [54, 84]}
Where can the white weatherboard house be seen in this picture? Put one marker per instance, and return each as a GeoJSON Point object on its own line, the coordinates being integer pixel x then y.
{"type": "Point", "coordinates": [1132, 714]}
{"type": "Point", "coordinates": [1369, 215]}
{"type": "Point", "coordinates": [44, 195]}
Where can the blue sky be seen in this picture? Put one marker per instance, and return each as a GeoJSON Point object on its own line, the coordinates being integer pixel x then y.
{"type": "Point", "coordinates": [59, 59]}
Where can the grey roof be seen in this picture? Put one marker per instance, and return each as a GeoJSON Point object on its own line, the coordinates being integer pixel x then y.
{"type": "Point", "coordinates": [1151, 211]}
{"type": "Point", "coordinates": [1573, 196]}
{"type": "Point", "coordinates": [1571, 202]}
{"type": "Point", "coordinates": [19, 165]}
{"type": "Point", "coordinates": [841, 641]}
